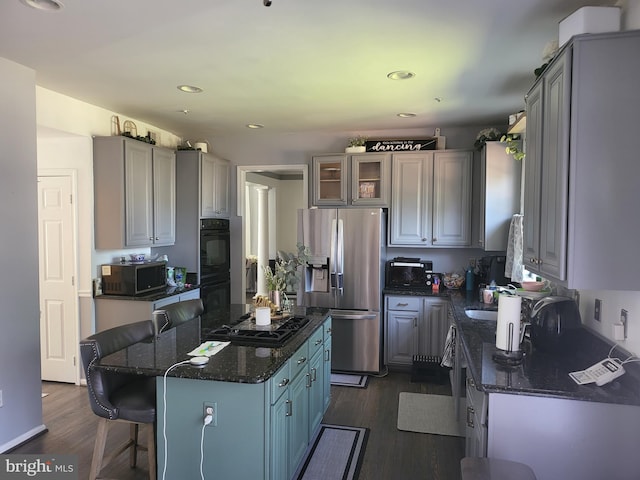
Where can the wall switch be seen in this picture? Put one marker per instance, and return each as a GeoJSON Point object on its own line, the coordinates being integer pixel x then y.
{"type": "Point", "coordinates": [597, 309]}
{"type": "Point", "coordinates": [623, 320]}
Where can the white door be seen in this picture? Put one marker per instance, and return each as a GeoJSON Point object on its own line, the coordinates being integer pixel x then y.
{"type": "Point", "coordinates": [58, 309]}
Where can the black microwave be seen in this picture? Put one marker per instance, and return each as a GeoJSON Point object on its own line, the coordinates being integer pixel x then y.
{"type": "Point", "coordinates": [409, 273]}
{"type": "Point", "coordinates": [133, 278]}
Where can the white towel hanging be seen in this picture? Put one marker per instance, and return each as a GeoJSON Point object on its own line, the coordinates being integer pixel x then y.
{"type": "Point", "coordinates": [513, 267]}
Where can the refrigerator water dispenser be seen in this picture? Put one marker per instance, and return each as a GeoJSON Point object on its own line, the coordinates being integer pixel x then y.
{"type": "Point", "coordinates": [317, 275]}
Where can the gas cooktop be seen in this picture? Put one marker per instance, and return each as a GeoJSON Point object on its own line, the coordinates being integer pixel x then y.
{"type": "Point", "coordinates": [248, 333]}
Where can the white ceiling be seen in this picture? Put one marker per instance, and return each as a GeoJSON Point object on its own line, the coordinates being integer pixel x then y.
{"type": "Point", "coordinates": [298, 65]}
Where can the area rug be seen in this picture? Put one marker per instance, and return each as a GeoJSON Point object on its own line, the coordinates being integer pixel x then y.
{"type": "Point", "coordinates": [335, 453]}
{"type": "Point", "coordinates": [424, 413]}
{"type": "Point", "coordinates": [345, 380]}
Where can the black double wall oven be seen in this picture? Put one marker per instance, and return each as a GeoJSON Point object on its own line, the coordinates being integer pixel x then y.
{"type": "Point", "coordinates": [215, 277]}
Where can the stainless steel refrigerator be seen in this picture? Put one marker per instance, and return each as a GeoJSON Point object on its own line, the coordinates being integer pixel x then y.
{"type": "Point", "coordinates": [345, 274]}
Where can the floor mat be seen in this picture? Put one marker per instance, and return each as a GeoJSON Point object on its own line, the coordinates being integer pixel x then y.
{"type": "Point", "coordinates": [345, 380]}
{"type": "Point", "coordinates": [424, 413]}
{"type": "Point", "coordinates": [335, 453]}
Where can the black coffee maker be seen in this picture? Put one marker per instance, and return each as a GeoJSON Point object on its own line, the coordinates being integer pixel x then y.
{"type": "Point", "coordinates": [492, 269]}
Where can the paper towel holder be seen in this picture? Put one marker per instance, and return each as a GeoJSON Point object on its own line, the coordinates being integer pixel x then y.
{"type": "Point", "coordinates": [510, 357]}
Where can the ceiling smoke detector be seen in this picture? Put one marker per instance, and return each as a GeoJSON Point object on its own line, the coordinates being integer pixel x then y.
{"type": "Point", "coordinates": [49, 5]}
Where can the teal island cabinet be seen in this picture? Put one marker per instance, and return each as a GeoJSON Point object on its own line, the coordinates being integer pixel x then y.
{"type": "Point", "coordinates": [267, 403]}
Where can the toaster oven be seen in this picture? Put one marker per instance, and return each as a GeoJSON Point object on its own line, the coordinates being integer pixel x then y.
{"type": "Point", "coordinates": [409, 273]}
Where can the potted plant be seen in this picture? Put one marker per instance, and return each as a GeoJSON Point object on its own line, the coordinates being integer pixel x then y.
{"type": "Point", "coordinates": [356, 145]}
{"type": "Point", "coordinates": [286, 275]}
{"type": "Point", "coordinates": [514, 145]}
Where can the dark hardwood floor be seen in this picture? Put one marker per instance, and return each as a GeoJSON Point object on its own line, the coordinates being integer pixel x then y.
{"type": "Point", "coordinates": [390, 454]}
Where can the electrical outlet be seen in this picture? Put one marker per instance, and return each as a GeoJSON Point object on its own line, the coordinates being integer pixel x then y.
{"type": "Point", "coordinates": [597, 309]}
{"type": "Point", "coordinates": [211, 408]}
{"type": "Point", "coordinates": [623, 320]}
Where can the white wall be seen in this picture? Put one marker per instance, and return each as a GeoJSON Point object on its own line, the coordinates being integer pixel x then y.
{"type": "Point", "coordinates": [21, 413]}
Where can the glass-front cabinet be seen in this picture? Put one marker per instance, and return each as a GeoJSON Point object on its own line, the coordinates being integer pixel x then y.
{"type": "Point", "coordinates": [329, 183]}
{"type": "Point", "coordinates": [360, 180]}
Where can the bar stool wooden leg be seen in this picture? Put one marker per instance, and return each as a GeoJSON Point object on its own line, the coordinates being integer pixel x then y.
{"type": "Point", "coordinates": [133, 451]}
{"type": "Point", "coordinates": [98, 449]}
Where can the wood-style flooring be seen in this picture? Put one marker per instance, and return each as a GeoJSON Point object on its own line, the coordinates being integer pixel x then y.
{"type": "Point", "coordinates": [390, 454]}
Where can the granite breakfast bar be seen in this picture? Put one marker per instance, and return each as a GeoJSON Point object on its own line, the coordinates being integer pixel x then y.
{"type": "Point", "coordinates": [266, 402]}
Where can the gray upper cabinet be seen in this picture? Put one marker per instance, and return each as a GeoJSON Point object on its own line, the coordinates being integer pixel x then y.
{"type": "Point", "coordinates": [214, 186]}
{"type": "Point", "coordinates": [431, 199]}
{"type": "Point", "coordinates": [500, 179]}
{"type": "Point", "coordinates": [581, 168]}
{"type": "Point", "coordinates": [134, 193]}
{"type": "Point", "coordinates": [351, 180]}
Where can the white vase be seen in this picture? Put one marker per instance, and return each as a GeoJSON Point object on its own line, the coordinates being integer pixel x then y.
{"type": "Point", "coordinates": [358, 149]}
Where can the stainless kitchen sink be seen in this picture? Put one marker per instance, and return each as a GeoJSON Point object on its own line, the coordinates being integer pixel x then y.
{"type": "Point", "coordinates": [482, 314]}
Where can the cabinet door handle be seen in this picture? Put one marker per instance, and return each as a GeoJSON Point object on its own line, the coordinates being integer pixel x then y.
{"type": "Point", "coordinates": [327, 356]}
{"type": "Point", "coordinates": [471, 382]}
{"type": "Point", "coordinates": [318, 342]}
{"type": "Point", "coordinates": [329, 331]}
{"type": "Point", "coordinates": [470, 412]}
{"type": "Point", "coordinates": [284, 382]}
{"type": "Point", "coordinates": [301, 360]}
{"type": "Point", "coordinates": [308, 375]}
{"type": "Point", "coordinates": [401, 304]}
{"type": "Point", "coordinates": [423, 239]}
{"type": "Point", "coordinates": [289, 411]}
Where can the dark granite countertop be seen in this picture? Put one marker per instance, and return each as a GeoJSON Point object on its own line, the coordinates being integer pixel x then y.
{"type": "Point", "coordinates": [541, 373]}
{"type": "Point", "coordinates": [234, 363]}
{"type": "Point", "coordinates": [150, 297]}
{"type": "Point", "coordinates": [442, 292]}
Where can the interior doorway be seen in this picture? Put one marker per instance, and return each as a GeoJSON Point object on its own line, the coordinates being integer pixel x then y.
{"type": "Point", "coordinates": [57, 235]}
{"type": "Point", "coordinates": [287, 192]}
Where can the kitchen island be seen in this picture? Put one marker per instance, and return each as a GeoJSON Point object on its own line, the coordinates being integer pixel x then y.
{"type": "Point", "coordinates": [266, 401]}
{"type": "Point", "coordinates": [536, 414]}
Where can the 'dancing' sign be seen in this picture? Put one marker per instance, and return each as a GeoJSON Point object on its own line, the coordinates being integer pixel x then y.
{"type": "Point", "coordinates": [401, 145]}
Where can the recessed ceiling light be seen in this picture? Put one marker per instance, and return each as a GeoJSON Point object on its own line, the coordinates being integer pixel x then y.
{"type": "Point", "coordinates": [401, 75]}
{"type": "Point", "coordinates": [189, 89]}
{"type": "Point", "coordinates": [50, 5]}
{"type": "Point", "coordinates": [438, 99]}
{"type": "Point", "coordinates": [255, 125]}
{"type": "Point", "coordinates": [406, 115]}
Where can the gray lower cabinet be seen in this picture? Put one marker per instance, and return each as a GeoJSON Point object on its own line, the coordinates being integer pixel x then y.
{"type": "Point", "coordinates": [431, 199]}
{"type": "Point", "coordinates": [476, 420]}
{"type": "Point", "coordinates": [581, 165]}
{"type": "Point", "coordinates": [112, 312]}
{"type": "Point", "coordinates": [414, 326]}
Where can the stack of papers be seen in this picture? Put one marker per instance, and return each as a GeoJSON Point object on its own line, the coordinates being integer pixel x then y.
{"type": "Point", "coordinates": [208, 349]}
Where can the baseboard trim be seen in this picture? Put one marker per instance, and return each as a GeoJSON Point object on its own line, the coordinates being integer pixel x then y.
{"type": "Point", "coordinates": [22, 439]}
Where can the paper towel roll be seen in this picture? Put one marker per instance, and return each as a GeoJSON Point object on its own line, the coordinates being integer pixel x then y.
{"type": "Point", "coordinates": [508, 319]}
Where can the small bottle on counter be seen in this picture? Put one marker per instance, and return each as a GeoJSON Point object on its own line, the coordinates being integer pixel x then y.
{"type": "Point", "coordinates": [470, 277]}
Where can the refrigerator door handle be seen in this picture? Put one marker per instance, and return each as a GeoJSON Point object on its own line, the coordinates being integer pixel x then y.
{"type": "Point", "coordinates": [333, 255]}
{"type": "Point", "coordinates": [340, 257]}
